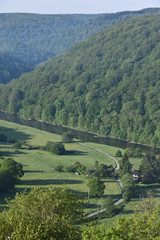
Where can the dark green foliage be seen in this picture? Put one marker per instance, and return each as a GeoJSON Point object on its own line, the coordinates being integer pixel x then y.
{"type": "Point", "coordinates": [108, 203]}
{"type": "Point", "coordinates": [102, 170]}
{"type": "Point", "coordinates": [118, 154]}
{"type": "Point", "coordinates": [71, 168]}
{"type": "Point", "coordinates": [10, 174]}
{"type": "Point", "coordinates": [108, 84]}
{"type": "Point", "coordinates": [128, 186]}
{"type": "Point", "coordinates": [57, 148]}
{"type": "Point", "coordinates": [96, 186]}
{"type": "Point", "coordinates": [29, 39]}
{"type": "Point", "coordinates": [59, 168]}
{"type": "Point", "coordinates": [134, 153]}
{"type": "Point", "coordinates": [17, 145]}
{"type": "Point", "coordinates": [124, 165]}
{"type": "Point", "coordinates": [77, 167]}
{"type": "Point", "coordinates": [3, 137]}
{"type": "Point", "coordinates": [67, 137]}
{"type": "Point", "coordinates": [81, 168]}
{"type": "Point", "coordinates": [12, 67]}
{"type": "Point", "coordinates": [138, 153]}
{"type": "Point", "coordinates": [150, 168]}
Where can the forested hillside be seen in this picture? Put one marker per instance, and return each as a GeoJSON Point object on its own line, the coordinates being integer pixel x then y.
{"type": "Point", "coordinates": [35, 38]}
{"type": "Point", "coordinates": [12, 67]}
{"type": "Point", "coordinates": [108, 84]}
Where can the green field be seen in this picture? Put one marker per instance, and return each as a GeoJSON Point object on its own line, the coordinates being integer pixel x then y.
{"type": "Point", "coordinates": [39, 165]}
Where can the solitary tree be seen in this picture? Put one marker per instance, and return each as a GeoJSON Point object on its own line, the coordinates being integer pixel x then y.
{"type": "Point", "coordinates": [128, 186]}
{"type": "Point", "coordinates": [10, 174]}
{"type": "Point", "coordinates": [109, 205]}
{"type": "Point", "coordinates": [150, 168]}
{"type": "Point", "coordinates": [67, 137]}
{"type": "Point", "coordinates": [96, 186]}
{"type": "Point", "coordinates": [118, 154]}
{"type": "Point", "coordinates": [125, 165]}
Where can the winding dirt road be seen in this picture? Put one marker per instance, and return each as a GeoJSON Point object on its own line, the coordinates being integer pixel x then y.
{"type": "Point", "coordinates": [116, 168]}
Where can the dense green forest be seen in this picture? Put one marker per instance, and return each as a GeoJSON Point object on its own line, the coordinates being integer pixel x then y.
{"type": "Point", "coordinates": [12, 67]}
{"type": "Point", "coordinates": [108, 84]}
{"type": "Point", "coordinates": [34, 38]}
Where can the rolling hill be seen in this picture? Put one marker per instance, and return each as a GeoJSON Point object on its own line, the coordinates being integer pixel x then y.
{"type": "Point", "coordinates": [108, 84]}
{"type": "Point", "coordinates": [34, 38]}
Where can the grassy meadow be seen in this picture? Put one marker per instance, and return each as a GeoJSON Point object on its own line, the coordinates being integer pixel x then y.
{"type": "Point", "coordinates": [39, 167]}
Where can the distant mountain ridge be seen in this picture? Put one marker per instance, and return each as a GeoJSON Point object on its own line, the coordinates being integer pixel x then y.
{"type": "Point", "coordinates": [108, 84]}
{"type": "Point", "coordinates": [35, 38]}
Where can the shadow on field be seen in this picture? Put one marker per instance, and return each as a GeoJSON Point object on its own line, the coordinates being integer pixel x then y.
{"type": "Point", "coordinates": [81, 194]}
{"type": "Point", "coordinates": [33, 171]}
{"type": "Point", "coordinates": [39, 182]}
{"type": "Point", "coordinates": [10, 154]}
{"type": "Point", "coordinates": [12, 133]}
{"type": "Point", "coordinates": [142, 191]}
{"type": "Point", "coordinates": [75, 152]}
{"type": "Point", "coordinates": [114, 196]}
{"type": "Point", "coordinates": [9, 196]}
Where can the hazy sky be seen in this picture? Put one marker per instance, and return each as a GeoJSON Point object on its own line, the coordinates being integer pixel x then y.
{"type": "Point", "coordinates": [74, 6]}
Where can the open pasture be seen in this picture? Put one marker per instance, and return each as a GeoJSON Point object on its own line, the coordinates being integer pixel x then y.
{"type": "Point", "coordinates": [39, 165]}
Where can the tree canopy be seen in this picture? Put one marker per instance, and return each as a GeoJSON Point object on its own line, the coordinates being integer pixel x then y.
{"type": "Point", "coordinates": [96, 186]}
{"type": "Point", "coordinates": [42, 214]}
{"type": "Point", "coordinates": [143, 224]}
{"type": "Point", "coordinates": [150, 168]}
{"type": "Point", "coordinates": [29, 39]}
{"type": "Point", "coordinates": [10, 174]}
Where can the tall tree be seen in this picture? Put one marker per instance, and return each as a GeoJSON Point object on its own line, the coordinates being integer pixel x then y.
{"type": "Point", "coordinates": [96, 186]}
{"type": "Point", "coordinates": [10, 174]}
{"type": "Point", "coordinates": [125, 165]}
{"type": "Point", "coordinates": [150, 168]}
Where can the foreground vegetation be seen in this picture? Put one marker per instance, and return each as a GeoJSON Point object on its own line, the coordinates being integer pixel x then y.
{"type": "Point", "coordinates": [39, 170]}
{"type": "Point", "coordinates": [55, 214]}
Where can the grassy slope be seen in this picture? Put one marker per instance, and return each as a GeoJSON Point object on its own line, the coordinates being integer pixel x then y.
{"type": "Point", "coordinates": [39, 165]}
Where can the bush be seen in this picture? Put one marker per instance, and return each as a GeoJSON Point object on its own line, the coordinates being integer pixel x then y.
{"type": "Point", "coordinates": [57, 148]}
{"type": "Point", "coordinates": [17, 145]}
{"type": "Point", "coordinates": [59, 168]}
{"type": "Point", "coordinates": [71, 169]}
{"type": "Point", "coordinates": [118, 154]}
{"type": "Point", "coordinates": [77, 167]}
{"type": "Point", "coordinates": [10, 174]}
{"type": "Point", "coordinates": [67, 137]}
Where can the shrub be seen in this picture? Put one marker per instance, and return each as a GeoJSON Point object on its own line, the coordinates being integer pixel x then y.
{"type": "Point", "coordinates": [59, 168]}
{"type": "Point", "coordinates": [57, 148]}
{"type": "Point", "coordinates": [17, 145]}
{"type": "Point", "coordinates": [118, 154]}
{"type": "Point", "coordinates": [67, 137]}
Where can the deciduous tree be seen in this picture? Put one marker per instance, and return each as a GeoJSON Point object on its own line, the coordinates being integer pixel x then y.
{"type": "Point", "coordinates": [42, 214]}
